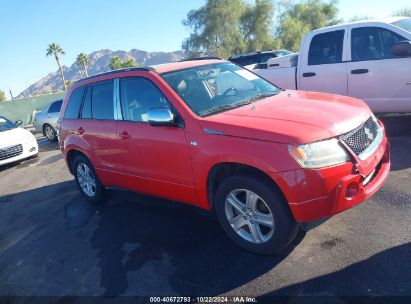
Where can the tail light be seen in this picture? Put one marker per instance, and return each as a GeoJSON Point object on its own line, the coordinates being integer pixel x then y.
{"type": "Point", "coordinates": [59, 121]}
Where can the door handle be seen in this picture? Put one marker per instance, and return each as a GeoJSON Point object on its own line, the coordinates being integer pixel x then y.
{"type": "Point", "coordinates": [124, 135]}
{"type": "Point", "coordinates": [49, 115]}
{"type": "Point", "coordinates": [309, 74]}
{"type": "Point", "coordinates": [359, 71]}
{"type": "Point", "coordinates": [81, 131]}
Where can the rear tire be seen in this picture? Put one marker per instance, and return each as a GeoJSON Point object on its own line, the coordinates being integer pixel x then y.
{"type": "Point", "coordinates": [49, 132]}
{"type": "Point", "coordinates": [268, 228]}
{"type": "Point", "coordinates": [87, 180]}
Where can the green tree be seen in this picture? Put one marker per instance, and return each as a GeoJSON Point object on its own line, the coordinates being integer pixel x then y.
{"type": "Point", "coordinates": [405, 12]}
{"type": "Point", "coordinates": [216, 28]}
{"type": "Point", "coordinates": [69, 83]}
{"type": "Point", "coordinates": [82, 60]}
{"type": "Point", "coordinates": [2, 96]}
{"type": "Point", "coordinates": [257, 25]}
{"type": "Point", "coordinates": [116, 63]}
{"type": "Point", "coordinates": [303, 17]}
{"type": "Point", "coordinates": [55, 50]}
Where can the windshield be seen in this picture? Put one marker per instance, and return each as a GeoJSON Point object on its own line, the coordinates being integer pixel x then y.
{"type": "Point", "coordinates": [218, 87]}
{"type": "Point", "coordinates": [6, 124]}
{"type": "Point", "coordinates": [405, 24]}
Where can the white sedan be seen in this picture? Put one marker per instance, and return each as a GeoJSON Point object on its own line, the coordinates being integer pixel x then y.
{"type": "Point", "coordinates": [16, 143]}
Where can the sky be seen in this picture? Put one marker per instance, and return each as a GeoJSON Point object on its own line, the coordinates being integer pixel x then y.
{"type": "Point", "coordinates": [28, 26]}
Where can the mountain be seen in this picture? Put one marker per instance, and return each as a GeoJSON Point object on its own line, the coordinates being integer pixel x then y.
{"type": "Point", "coordinates": [99, 62]}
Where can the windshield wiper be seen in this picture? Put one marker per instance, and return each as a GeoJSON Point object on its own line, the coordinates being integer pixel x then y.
{"type": "Point", "coordinates": [260, 96]}
{"type": "Point", "coordinates": [226, 107]}
{"type": "Point", "coordinates": [238, 104]}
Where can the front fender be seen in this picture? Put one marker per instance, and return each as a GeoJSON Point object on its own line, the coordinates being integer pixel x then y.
{"type": "Point", "coordinates": [211, 150]}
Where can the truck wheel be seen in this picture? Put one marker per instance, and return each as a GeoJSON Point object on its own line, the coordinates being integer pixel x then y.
{"type": "Point", "coordinates": [49, 132]}
{"type": "Point", "coordinates": [87, 180]}
{"type": "Point", "coordinates": [254, 214]}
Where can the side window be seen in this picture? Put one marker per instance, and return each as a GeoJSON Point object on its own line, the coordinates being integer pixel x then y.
{"type": "Point", "coordinates": [86, 110]}
{"type": "Point", "coordinates": [73, 107]}
{"type": "Point", "coordinates": [55, 106]}
{"type": "Point", "coordinates": [102, 100]}
{"type": "Point", "coordinates": [138, 95]}
{"type": "Point", "coordinates": [326, 48]}
{"type": "Point", "coordinates": [372, 43]}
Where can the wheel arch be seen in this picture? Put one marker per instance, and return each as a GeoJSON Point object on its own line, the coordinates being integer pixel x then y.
{"type": "Point", "coordinates": [71, 155]}
{"type": "Point", "coordinates": [223, 170]}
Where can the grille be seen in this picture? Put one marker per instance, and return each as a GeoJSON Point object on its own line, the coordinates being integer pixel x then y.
{"type": "Point", "coordinates": [10, 152]}
{"type": "Point", "coordinates": [360, 139]}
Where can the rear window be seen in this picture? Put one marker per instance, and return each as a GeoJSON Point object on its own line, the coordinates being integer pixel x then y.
{"type": "Point", "coordinates": [326, 48]}
{"type": "Point", "coordinates": [265, 57]}
{"type": "Point", "coordinates": [102, 105]}
{"type": "Point", "coordinates": [56, 106]}
{"type": "Point", "coordinates": [246, 60]}
{"type": "Point", "coordinates": [405, 24]}
{"type": "Point", "coordinates": [73, 107]}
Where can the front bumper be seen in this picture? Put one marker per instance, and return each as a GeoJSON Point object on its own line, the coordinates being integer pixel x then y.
{"type": "Point", "coordinates": [30, 149]}
{"type": "Point", "coordinates": [316, 194]}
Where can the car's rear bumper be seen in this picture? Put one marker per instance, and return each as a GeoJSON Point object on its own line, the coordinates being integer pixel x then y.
{"type": "Point", "coordinates": [316, 194]}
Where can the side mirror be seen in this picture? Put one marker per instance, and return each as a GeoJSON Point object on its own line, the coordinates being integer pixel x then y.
{"type": "Point", "coordinates": [19, 123]}
{"type": "Point", "coordinates": [401, 49]}
{"type": "Point", "coordinates": [161, 117]}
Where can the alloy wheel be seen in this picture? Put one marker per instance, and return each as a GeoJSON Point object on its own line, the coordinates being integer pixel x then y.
{"type": "Point", "coordinates": [86, 179]}
{"type": "Point", "coordinates": [249, 216]}
{"type": "Point", "coordinates": [49, 133]}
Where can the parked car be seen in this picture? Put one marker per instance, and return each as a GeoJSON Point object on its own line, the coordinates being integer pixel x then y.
{"type": "Point", "coordinates": [16, 144]}
{"type": "Point", "coordinates": [370, 60]}
{"type": "Point", "coordinates": [46, 120]}
{"type": "Point", "coordinates": [213, 134]}
{"type": "Point", "coordinates": [257, 59]}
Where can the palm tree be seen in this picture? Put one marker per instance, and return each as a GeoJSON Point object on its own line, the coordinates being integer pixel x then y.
{"type": "Point", "coordinates": [56, 50]}
{"type": "Point", "coordinates": [82, 60]}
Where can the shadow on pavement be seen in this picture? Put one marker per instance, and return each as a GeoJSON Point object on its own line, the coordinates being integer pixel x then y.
{"type": "Point", "coordinates": [187, 246]}
{"type": "Point", "coordinates": [400, 153]}
{"type": "Point", "coordinates": [370, 277]}
{"type": "Point", "coordinates": [46, 145]}
{"type": "Point", "coordinates": [133, 245]}
{"type": "Point", "coordinates": [397, 125]}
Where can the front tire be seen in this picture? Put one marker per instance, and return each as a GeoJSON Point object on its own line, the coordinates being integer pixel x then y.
{"type": "Point", "coordinates": [254, 214]}
{"type": "Point", "coordinates": [87, 180]}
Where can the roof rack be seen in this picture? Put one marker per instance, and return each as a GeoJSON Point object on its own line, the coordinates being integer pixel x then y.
{"type": "Point", "coordinates": [141, 68]}
{"type": "Point", "coordinates": [201, 58]}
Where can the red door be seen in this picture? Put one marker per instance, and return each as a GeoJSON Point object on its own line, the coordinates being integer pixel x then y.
{"type": "Point", "coordinates": [156, 158]}
{"type": "Point", "coordinates": [97, 128]}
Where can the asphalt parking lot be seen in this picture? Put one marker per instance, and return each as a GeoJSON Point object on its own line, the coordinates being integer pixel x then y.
{"type": "Point", "coordinates": [53, 243]}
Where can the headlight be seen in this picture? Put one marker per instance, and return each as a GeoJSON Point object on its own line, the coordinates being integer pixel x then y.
{"type": "Point", "coordinates": [319, 154]}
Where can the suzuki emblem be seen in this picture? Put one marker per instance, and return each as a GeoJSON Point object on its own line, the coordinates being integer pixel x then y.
{"type": "Point", "coordinates": [369, 134]}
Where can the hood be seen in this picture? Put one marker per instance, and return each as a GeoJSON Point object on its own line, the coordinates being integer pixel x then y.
{"type": "Point", "coordinates": [293, 117]}
{"type": "Point", "coordinates": [14, 137]}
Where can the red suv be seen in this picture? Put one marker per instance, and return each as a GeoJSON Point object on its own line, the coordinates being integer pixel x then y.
{"type": "Point", "coordinates": [212, 134]}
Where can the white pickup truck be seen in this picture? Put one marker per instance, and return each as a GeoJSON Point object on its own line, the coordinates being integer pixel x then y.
{"type": "Point", "coordinates": [370, 60]}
